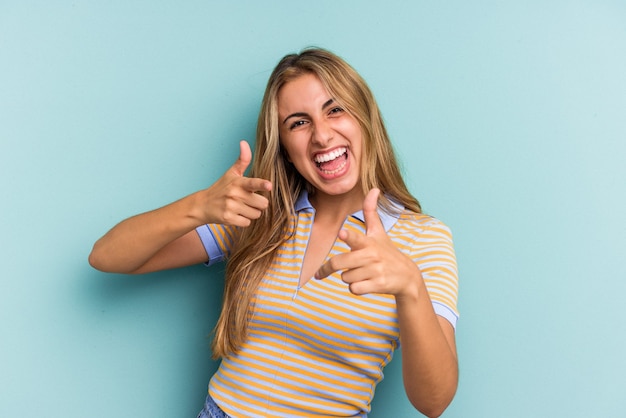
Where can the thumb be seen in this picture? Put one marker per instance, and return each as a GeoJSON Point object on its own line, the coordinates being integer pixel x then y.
{"type": "Point", "coordinates": [245, 156]}
{"type": "Point", "coordinates": [370, 213]}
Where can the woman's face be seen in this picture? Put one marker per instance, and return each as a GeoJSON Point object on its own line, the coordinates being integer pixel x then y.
{"type": "Point", "coordinates": [320, 138]}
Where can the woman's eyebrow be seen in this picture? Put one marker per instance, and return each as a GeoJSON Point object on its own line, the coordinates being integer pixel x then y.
{"type": "Point", "coordinates": [328, 103]}
{"type": "Point", "coordinates": [302, 114]}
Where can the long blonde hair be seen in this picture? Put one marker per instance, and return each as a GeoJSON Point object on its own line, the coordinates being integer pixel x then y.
{"type": "Point", "coordinates": [256, 245]}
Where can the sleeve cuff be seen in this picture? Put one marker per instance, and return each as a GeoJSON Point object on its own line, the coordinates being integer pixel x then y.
{"type": "Point", "coordinates": [210, 245]}
{"type": "Point", "coordinates": [446, 312]}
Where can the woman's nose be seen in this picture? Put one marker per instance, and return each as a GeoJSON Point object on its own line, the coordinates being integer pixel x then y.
{"type": "Point", "coordinates": [322, 133]}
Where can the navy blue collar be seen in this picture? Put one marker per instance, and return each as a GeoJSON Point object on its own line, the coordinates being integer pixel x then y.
{"type": "Point", "coordinates": [388, 219]}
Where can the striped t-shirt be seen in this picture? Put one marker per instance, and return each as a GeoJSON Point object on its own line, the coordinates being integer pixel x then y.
{"type": "Point", "coordinates": [319, 350]}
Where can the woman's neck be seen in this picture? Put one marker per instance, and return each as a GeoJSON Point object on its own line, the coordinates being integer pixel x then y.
{"type": "Point", "coordinates": [336, 206]}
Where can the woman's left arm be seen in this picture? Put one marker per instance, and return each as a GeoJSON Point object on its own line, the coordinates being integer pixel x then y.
{"type": "Point", "coordinates": [429, 359]}
{"type": "Point", "coordinates": [376, 265]}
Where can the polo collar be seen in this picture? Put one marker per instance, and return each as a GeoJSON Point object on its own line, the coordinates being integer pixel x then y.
{"type": "Point", "coordinates": [387, 219]}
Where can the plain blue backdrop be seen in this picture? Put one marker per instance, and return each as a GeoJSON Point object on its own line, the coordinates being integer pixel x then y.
{"type": "Point", "coordinates": [510, 122]}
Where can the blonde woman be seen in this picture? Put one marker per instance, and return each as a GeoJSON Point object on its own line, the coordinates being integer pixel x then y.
{"type": "Point", "coordinates": [331, 265]}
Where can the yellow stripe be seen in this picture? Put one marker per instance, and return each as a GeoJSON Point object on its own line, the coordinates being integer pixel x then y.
{"type": "Point", "coordinates": [382, 328]}
{"type": "Point", "coordinates": [338, 330]}
{"type": "Point", "coordinates": [295, 374]}
{"type": "Point", "coordinates": [326, 373]}
{"type": "Point", "coordinates": [252, 381]}
{"type": "Point", "coordinates": [318, 347]}
{"type": "Point", "coordinates": [385, 307]}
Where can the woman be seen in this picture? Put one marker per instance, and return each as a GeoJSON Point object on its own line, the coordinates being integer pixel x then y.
{"type": "Point", "coordinates": [331, 265]}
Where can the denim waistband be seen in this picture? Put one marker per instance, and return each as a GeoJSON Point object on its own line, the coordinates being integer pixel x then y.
{"type": "Point", "coordinates": [211, 410]}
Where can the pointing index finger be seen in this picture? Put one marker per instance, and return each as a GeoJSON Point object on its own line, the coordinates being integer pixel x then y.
{"type": "Point", "coordinates": [253, 184]}
{"type": "Point", "coordinates": [324, 271]}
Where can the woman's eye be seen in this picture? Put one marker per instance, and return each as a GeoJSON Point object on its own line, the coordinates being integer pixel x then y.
{"type": "Point", "coordinates": [296, 124]}
{"type": "Point", "coordinates": [335, 110]}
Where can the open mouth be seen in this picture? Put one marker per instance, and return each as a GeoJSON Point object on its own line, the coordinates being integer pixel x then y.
{"type": "Point", "coordinates": [333, 161]}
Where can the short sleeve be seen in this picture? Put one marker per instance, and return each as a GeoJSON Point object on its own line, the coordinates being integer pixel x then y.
{"type": "Point", "coordinates": [217, 240]}
{"type": "Point", "coordinates": [434, 254]}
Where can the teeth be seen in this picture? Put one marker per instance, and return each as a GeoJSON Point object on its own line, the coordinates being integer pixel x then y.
{"type": "Point", "coordinates": [322, 158]}
{"type": "Point", "coordinates": [338, 169]}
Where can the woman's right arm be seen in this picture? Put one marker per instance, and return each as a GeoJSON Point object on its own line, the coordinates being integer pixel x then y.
{"type": "Point", "coordinates": [165, 238]}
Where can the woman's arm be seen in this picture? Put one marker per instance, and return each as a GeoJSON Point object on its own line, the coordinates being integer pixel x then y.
{"type": "Point", "coordinates": [429, 359]}
{"type": "Point", "coordinates": [376, 265]}
{"type": "Point", "coordinates": [157, 240]}
{"type": "Point", "coordinates": [165, 238]}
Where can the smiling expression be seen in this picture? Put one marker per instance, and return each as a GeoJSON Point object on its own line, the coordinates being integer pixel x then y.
{"type": "Point", "coordinates": [321, 139]}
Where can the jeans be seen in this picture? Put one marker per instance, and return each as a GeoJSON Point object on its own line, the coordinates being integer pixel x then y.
{"type": "Point", "coordinates": [211, 410]}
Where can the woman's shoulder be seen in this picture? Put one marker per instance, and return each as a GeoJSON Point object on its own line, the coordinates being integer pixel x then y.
{"type": "Point", "coordinates": [422, 222]}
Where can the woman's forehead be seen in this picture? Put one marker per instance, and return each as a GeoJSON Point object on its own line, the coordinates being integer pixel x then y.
{"type": "Point", "coordinates": [303, 91]}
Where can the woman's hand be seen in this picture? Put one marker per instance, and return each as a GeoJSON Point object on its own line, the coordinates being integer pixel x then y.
{"type": "Point", "coordinates": [374, 264]}
{"type": "Point", "coordinates": [233, 199]}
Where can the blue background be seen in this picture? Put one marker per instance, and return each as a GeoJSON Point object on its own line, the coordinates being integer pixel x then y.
{"type": "Point", "coordinates": [510, 121]}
